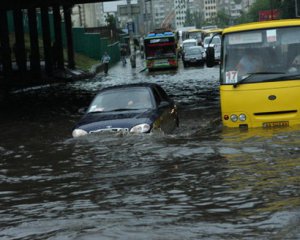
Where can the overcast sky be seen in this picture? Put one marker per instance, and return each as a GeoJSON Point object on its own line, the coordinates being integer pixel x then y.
{"type": "Point", "coordinates": [112, 6]}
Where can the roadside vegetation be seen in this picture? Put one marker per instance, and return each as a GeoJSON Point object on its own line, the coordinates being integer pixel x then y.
{"type": "Point", "coordinates": [83, 62]}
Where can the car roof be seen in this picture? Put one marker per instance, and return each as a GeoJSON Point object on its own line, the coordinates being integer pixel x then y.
{"type": "Point", "coordinates": [193, 47]}
{"type": "Point", "coordinates": [189, 40]}
{"type": "Point", "coordinates": [131, 85]}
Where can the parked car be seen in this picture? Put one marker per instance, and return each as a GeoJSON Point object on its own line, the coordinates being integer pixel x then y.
{"type": "Point", "coordinates": [216, 43]}
{"type": "Point", "coordinates": [134, 108]}
{"type": "Point", "coordinates": [194, 55]}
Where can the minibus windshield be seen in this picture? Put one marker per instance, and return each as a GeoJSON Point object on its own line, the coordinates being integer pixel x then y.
{"type": "Point", "coordinates": [261, 55]}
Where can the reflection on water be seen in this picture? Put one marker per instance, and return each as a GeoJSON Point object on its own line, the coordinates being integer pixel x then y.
{"type": "Point", "coordinates": [201, 182]}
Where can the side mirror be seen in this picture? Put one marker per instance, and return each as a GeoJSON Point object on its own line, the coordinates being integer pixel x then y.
{"type": "Point", "coordinates": [210, 57]}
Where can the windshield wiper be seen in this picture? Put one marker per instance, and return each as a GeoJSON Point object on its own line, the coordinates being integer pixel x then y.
{"type": "Point", "coordinates": [113, 110]}
{"type": "Point", "coordinates": [120, 109]}
{"type": "Point", "coordinates": [286, 77]}
{"type": "Point", "coordinates": [124, 109]}
{"type": "Point", "coordinates": [254, 74]}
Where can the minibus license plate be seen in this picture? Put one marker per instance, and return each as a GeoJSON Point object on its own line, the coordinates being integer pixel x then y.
{"type": "Point", "coordinates": [276, 124]}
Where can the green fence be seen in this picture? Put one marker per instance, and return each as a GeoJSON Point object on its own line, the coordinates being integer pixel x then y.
{"type": "Point", "coordinates": [92, 45]}
{"type": "Point", "coordinates": [88, 44]}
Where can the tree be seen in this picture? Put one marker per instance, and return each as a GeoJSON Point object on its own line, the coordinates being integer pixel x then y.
{"type": "Point", "coordinates": [110, 20]}
{"type": "Point", "coordinates": [286, 8]}
{"type": "Point", "coordinates": [198, 19]}
{"type": "Point", "coordinates": [223, 19]}
{"type": "Point", "coordinates": [189, 20]}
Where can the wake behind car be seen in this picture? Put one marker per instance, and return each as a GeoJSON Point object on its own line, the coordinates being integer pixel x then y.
{"type": "Point", "coordinates": [134, 108]}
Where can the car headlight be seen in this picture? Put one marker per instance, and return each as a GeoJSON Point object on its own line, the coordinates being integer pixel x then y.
{"type": "Point", "coordinates": [242, 117]}
{"type": "Point", "coordinates": [78, 132]}
{"type": "Point", "coordinates": [141, 128]}
{"type": "Point", "coordinates": [234, 118]}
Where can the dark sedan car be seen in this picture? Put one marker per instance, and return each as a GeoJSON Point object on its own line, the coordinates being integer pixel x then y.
{"type": "Point", "coordinates": [135, 108]}
{"type": "Point", "coordinates": [194, 55]}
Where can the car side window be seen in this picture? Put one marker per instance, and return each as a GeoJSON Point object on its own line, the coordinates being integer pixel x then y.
{"type": "Point", "coordinates": [156, 96]}
{"type": "Point", "coordinates": [163, 94]}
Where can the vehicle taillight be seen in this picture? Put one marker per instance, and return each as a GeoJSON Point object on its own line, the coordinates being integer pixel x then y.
{"type": "Point", "coordinates": [172, 62]}
{"type": "Point", "coordinates": [149, 64]}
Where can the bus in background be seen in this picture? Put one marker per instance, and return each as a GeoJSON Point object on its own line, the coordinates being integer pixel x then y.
{"type": "Point", "coordinates": [209, 27]}
{"type": "Point", "coordinates": [182, 33]}
{"type": "Point", "coordinates": [211, 32]}
{"type": "Point", "coordinates": [260, 74]}
{"type": "Point", "coordinates": [160, 50]}
{"type": "Point", "coordinates": [197, 34]}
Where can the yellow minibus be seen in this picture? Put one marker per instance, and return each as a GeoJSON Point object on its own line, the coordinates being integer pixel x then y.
{"type": "Point", "coordinates": [260, 74]}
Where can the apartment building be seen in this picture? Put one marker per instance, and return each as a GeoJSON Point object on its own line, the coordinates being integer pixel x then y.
{"type": "Point", "coordinates": [210, 9]}
{"type": "Point", "coordinates": [180, 12]}
{"type": "Point", "coordinates": [234, 9]}
{"type": "Point", "coordinates": [163, 13]}
{"type": "Point", "coordinates": [88, 15]}
{"type": "Point", "coordinates": [160, 13]}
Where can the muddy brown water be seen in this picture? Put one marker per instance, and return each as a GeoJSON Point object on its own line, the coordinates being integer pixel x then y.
{"type": "Point", "coordinates": [200, 182]}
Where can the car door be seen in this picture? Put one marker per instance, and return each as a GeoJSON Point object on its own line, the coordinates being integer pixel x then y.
{"type": "Point", "coordinates": [166, 109]}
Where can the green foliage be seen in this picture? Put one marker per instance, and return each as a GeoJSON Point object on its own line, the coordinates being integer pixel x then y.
{"type": "Point", "coordinates": [222, 19]}
{"type": "Point", "coordinates": [110, 20]}
{"type": "Point", "coordinates": [84, 62]}
{"type": "Point", "coordinates": [286, 8]}
{"type": "Point", "coordinates": [198, 18]}
{"type": "Point", "coordinates": [189, 19]}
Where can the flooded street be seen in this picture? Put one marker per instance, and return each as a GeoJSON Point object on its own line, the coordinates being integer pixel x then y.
{"type": "Point", "coordinates": [201, 182]}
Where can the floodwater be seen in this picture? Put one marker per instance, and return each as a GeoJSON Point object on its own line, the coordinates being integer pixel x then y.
{"type": "Point", "coordinates": [201, 182]}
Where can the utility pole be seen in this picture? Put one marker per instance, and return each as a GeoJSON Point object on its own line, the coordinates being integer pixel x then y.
{"type": "Point", "coordinates": [146, 17]}
{"type": "Point", "coordinates": [130, 31]}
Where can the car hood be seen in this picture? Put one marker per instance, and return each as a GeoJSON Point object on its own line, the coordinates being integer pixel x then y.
{"type": "Point", "coordinates": [107, 120]}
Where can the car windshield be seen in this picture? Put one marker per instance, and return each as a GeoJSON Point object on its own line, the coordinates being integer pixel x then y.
{"type": "Point", "coordinates": [121, 99]}
{"type": "Point", "coordinates": [193, 51]}
{"type": "Point", "coordinates": [189, 44]}
{"type": "Point", "coordinates": [215, 40]}
{"type": "Point", "coordinates": [261, 56]}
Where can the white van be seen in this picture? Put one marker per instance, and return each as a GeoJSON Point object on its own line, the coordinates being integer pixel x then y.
{"type": "Point", "coordinates": [216, 43]}
{"type": "Point", "coordinates": [189, 43]}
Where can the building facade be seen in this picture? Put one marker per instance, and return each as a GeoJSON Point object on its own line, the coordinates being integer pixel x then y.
{"type": "Point", "coordinates": [154, 14]}
{"type": "Point", "coordinates": [88, 15]}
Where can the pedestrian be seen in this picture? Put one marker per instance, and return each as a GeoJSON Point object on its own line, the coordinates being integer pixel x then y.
{"type": "Point", "coordinates": [105, 61]}
{"type": "Point", "coordinates": [123, 53]}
